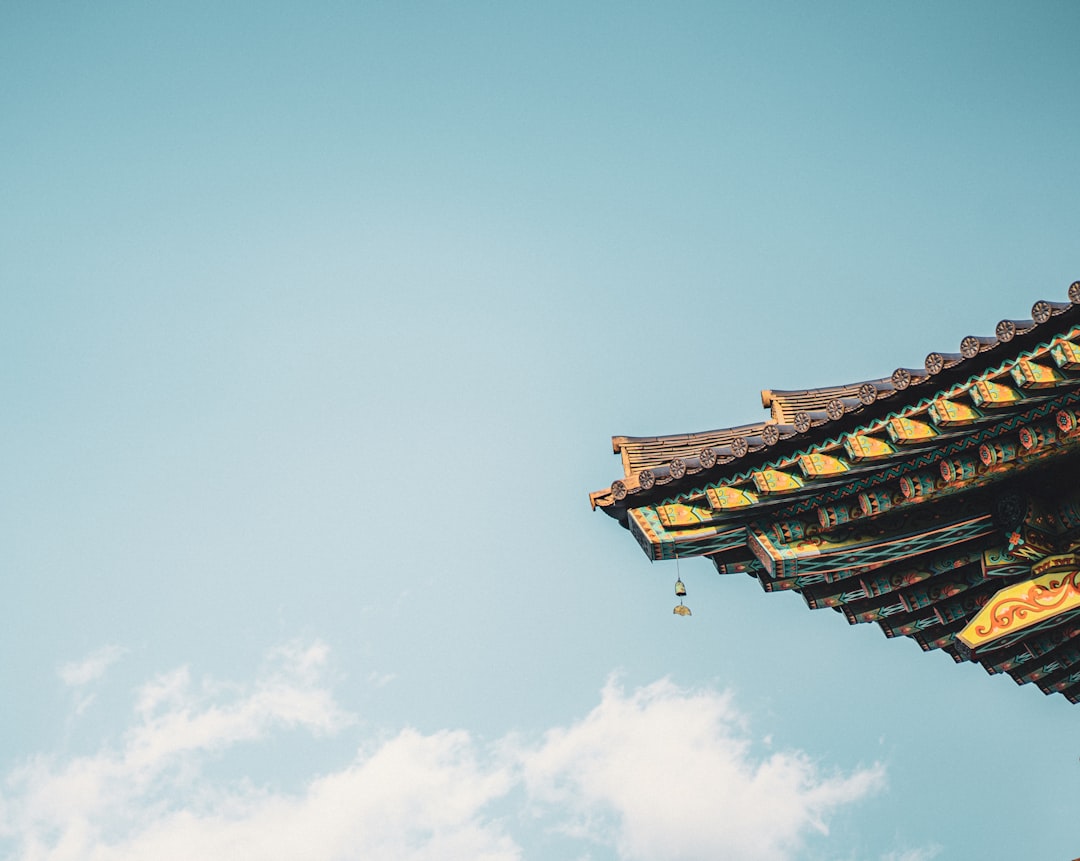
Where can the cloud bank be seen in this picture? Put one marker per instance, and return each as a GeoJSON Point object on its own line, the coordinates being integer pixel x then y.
{"type": "Point", "coordinates": [658, 771]}
{"type": "Point", "coordinates": [666, 773]}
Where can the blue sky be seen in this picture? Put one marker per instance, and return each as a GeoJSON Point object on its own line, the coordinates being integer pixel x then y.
{"type": "Point", "coordinates": [316, 323]}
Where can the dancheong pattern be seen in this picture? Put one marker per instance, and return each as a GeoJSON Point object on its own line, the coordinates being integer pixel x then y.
{"type": "Point", "coordinates": [941, 504]}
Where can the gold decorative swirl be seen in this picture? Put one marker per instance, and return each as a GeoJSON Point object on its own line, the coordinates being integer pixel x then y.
{"type": "Point", "coordinates": [1038, 599]}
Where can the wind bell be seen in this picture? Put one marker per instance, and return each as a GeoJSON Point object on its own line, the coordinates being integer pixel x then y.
{"type": "Point", "coordinates": [680, 592]}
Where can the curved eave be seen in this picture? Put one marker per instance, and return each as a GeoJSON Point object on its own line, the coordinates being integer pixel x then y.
{"type": "Point", "coordinates": [767, 442]}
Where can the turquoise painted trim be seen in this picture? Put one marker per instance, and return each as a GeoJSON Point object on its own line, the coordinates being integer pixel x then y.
{"type": "Point", "coordinates": [926, 457]}
{"type": "Point", "coordinates": [904, 412]}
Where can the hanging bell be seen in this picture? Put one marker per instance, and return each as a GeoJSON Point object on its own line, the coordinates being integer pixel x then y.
{"type": "Point", "coordinates": [681, 610]}
{"type": "Point", "coordinates": [680, 588]}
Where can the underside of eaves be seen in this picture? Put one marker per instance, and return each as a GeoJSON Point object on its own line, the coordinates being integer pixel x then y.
{"type": "Point", "coordinates": [940, 503]}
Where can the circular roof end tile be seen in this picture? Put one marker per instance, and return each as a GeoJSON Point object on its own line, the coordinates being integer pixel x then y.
{"type": "Point", "coordinates": [1005, 331]}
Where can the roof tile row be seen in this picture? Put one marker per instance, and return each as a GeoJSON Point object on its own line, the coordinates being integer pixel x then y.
{"type": "Point", "coordinates": [648, 461]}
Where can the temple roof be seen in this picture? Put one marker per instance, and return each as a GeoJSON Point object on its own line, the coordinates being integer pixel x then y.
{"type": "Point", "coordinates": [801, 417]}
{"type": "Point", "coordinates": [941, 503]}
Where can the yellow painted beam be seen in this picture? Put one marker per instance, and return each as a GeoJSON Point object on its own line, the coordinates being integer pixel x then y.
{"type": "Point", "coordinates": [987, 393]}
{"type": "Point", "coordinates": [1066, 355]}
{"type": "Point", "coordinates": [1053, 592]}
{"type": "Point", "coordinates": [821, 465]}
{"type": "Point", "coordinates": [727, 498]}
{"type": "Point", "coordinates": [1032, 375]}
{"type": "Point", "coordinates": [863, 447]}
{"type": "Point", "coordinates": [904, 430]}
{"type": "Point", "coordinates": [947, 413]}
{"type": "Point", "coordinates": [677, 514]}
{"type": "Point", "coordinates": [775, 481]}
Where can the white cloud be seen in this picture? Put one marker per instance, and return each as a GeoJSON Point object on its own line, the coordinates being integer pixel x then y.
{"type": "Point", "coordinates": [662, 772]}
{"type": "Point", "coordinates": [380, 680]}
{"type": "Point", "coordinates": [416, 799]}
{"type": "Point", "coordinates": [924, 853]}
{"type": "Point", "coordinates": [657, 772]}
{"type": "Point", "coordinates": [176, 717]}
{"type": "Point", "coordinates": [91, 668]}
{"type": "Point", "coordinates": [78, 675]}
